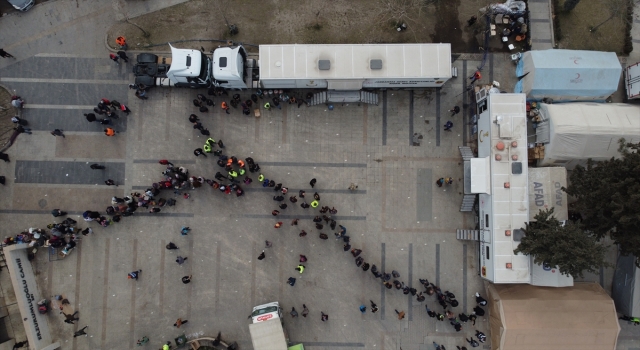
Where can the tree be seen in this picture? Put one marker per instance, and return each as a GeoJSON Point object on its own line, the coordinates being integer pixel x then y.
{"type": "Point", "coordinates": [569, 247]}
{"type": "Point", "coordinates": [570, 5]}
{"type": "Point", "coordinates": [608, 198]}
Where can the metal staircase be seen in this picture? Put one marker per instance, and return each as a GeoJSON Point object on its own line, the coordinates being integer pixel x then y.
{"type": "Point", "coordinates": [468, 235]}
{"type": "Point", "coordinates": [468, 201]}
{"type": "Point", "coordinates": [466, 152]}
{"type": "Point", "coordinates": [344, 97]}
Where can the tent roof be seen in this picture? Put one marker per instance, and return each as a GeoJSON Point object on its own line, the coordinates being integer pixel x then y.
{"type": "Point", "coordinates": [569, 75]}
{"type": "Point", "coordinates": [526, 317]}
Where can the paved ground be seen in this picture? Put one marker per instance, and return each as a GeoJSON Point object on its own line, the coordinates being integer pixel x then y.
{"type": "Point", "coordinates": [397, 216]}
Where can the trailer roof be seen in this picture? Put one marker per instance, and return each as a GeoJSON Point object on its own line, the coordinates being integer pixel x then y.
{"type": "Point", "coordinates": [268, 335]}
{"type": "Point", "coordinates": [355, 61]}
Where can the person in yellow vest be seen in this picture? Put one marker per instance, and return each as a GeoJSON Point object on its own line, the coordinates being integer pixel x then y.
{"type": "Point", "coordinates": [260, 177]}
{"type": "Point", "coordinates": [241, 171]}
{"type": "Point", "coordinates": [314, 204]}
{"type": "Point", "coordinates": [300, 268]}
{"type": "Point", "coordinates": [206, 148]}
{"type": "Point", "coordinates": [211, 142]}
{"type": "Point", "coordinates": [267, 106]}
{"type": "Point", "coordinates": [233, 174]}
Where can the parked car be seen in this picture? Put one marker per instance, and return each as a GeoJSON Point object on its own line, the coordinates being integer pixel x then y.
{"type": "Point", "coordinates": [22, 5]}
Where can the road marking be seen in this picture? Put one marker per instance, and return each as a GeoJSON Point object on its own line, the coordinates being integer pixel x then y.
{"type": "Point", "coordinates": [105, 296]}
{"type": "Point", "coordinates": [410, 128]}
{"type": "Point", "coordinates": [464, 278]}
{"type": "Point", "coordinates": [365, 122]}
{"type": "Point", "coordinates": [384, 117]}
{"type": "Point", "coordinates": [383, 256]}
{"type": "Point", "coordinates": [410, 278]}
{"type": "Point", "coordinates": [65, 81]}
{"type": "Point", "coordinates": [35, 106]}
{"type": "Point", "coordinates": [132, 308]}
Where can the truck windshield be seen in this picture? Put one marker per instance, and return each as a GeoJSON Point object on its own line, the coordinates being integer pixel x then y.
{"type": "Point", "coordinates": [204, 68]}
{"type": "Point", "coordinates": [266, 310]}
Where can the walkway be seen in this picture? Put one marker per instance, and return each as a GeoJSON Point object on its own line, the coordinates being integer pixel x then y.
{"type": "Point", "coordinates": [541, 24]}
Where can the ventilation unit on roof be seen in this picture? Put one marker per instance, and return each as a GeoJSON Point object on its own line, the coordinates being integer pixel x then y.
{"type": "Point", "coordinates": [518, 234]}
{"type": "Point", "coordinates": [324, 64]}
{"type": "Point", "coordinates": [375, 64]}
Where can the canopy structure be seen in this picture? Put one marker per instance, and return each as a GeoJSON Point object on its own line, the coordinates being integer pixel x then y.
{"type": "Point", "coordinates": [575, 132]}
{"type": "Point", "coordinates": [526, 317]}
{"type": "Point", "coordinates": [568, 75]}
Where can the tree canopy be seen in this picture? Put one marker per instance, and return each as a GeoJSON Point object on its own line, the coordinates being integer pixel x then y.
{"type": "Point", "coordinates": [608, 198]}
{"type": "Point", "coordinates": [569, 247]}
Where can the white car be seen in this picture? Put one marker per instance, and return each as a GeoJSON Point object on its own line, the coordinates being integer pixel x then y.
{"type": "Point", "coordinates": [22, 5]}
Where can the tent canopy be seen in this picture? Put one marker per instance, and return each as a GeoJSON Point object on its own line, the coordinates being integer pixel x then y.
{"type": "Point", "coordinates": [568, 75]}
{"type": "Point", "coordinates": [575, 132]}
{"type": "Point", "coordinates": [525, 317]}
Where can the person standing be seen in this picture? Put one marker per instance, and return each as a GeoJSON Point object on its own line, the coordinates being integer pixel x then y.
{"type": "Point", "coordinates": [110, 182]}
{"type": "Point", "coordinates": [70, 318]}
{"type": "Point", "coordinates": [455, 110]}
{"type": "Point", "coordinates": [324, 317]}
{"type": "Point", "coordinates": [198, 152]}
{"type": "Point", "coordinates": [305, 311]}
{"type": "Point", "coordinates": [225, 107]}
{"type": "Point", "coordinates": [440, 182]}
{"type": "Point", "coordinates": [300, 268]}
{"type": "Point", "coordinates": [186, 279]}
{"type": "Point", "coordinates": [400, 314]}
{"type": "Point", "coordinates": [57, 132]}
{"type": "Point", "coordinates": [114, 58]}
{"type": "Point", "coordinates": [262, 255]}
{"type": "Point", "coordinates": [293, 312]}
{"type": "Point", "coordinates": [448, 125]}
{"type": "Point", "coordinates": [291, 281]}
{"type": "Point", "coordinates": [110, 132]}
{"type": "Point", "coordinates": [180, 260]}
{"type": "Point", "coordinates": [142, 341]}
{"type": "Point", "coordinates": [5, 54]}
{"type": "Point", "coordinates": [312, 183]}
{"type": "Point", "coordinates": [171, 246]}
{"type": "Point", "coordinates": [134, 274]}
{"type": "Point", "coordinates": [81, 332]}
{"type": "Point", "coordinates": [374, 307]}
{"type": "Point", "coordinates": [58, 212]}
{"type": "Point", "coordinates": [363, 309]}
{"type": "Point", "coordinates": [180, 322]}
{"type": "Point", "coordinates": [90, 117]}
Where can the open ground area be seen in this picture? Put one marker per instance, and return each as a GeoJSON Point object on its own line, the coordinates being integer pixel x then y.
{"type": "Point", "coordinates": [394, 152]}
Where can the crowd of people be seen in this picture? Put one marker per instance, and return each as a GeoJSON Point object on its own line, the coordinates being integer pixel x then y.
{"type": "Point", "coordinates": [65, 235]}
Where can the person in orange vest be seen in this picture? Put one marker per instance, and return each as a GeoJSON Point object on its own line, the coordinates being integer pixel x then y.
{"type": "Point", "coordinates": [241, 163]}
{"type": "Point", "coordinates": [224, 106]}
{"type": "Point", "coordinates": [122, 42]}
{"type": "Point", "coordinates": [109, 132]}
{"type": "Point", "coordinates": [476, 76]}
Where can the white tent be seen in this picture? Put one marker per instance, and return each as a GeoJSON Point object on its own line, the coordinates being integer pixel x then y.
{"type": "Point", "coordinates": [568, 75]}
{"type": "Point", "coordinates": [575, 132]}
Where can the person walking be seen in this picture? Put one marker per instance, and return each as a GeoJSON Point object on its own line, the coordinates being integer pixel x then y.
{"type": "Point", "coordinates": [123, 56]}
{"type": "Point", "coordinates": [440, 182]}
{"type": "Point", "coordinates": [134, 274]}
{"type": "Point", "coordinates": [171, 246]}
{"type": "Point", "coordinates": [303, 258]}
{"type": "Point", "coordinates": [400, 314]}
{"type": "Point", "coordinates": [186, 279]}
{"type": "Point", "coordinates": [480, 300]}
{"type": "Point", "coordinates": [180, 322]}
{"type": "Point", "coordinates": [180, 260]}
{"type": "Point", "coordinates": [110, 182]}
{"type": "Point", "coordinates": [305, 311]}
{"type": "Point", "coordinates": [5, 54]}
{"type": "Point", "coordinates": [324, 317]}
{"type": "Point", "coordinates": [57, 132]}
{"type": "Point", "coordinates": [455, 110]}
{"type": "Point", "coordinates": [300, 268]}
{"type": "Point", "coordinates": [291, 281]}
{"type": "Point", "coordinates": [278, 224]}
{"type": "Point", "coordinates": [472, 342]}
{"type": "Point", "coordinates": [293, 312]}
{"type": "Point", "coordinates": [142, 341]}
{"type": "Point", "coordinates": [312, 183]}
{"type": "Point", "coordinates": [96, 166]}
{"type": "Point", "coordinates": [262, 255]}
{"type": "Point", "coordinates": [81, 332]}
{"type": "Point", "coordinates": [198, 151]}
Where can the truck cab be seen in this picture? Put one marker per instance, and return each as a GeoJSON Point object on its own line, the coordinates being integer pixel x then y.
{"type": "Point", "coordinates": [231, 69]}
{"type": "Point", "coordinates": [185, 68]}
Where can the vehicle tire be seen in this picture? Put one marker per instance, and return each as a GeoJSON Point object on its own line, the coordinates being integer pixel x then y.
{"type": "Point", "coordinates": [146, 80]}
{"type": "Point", "coordinates": [147, 58]}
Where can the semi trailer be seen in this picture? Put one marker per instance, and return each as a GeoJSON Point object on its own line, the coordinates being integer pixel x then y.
{"type": "Point", "coordinates": [267, 329]}
{"type": "Point", "coordinates": [343, 70]}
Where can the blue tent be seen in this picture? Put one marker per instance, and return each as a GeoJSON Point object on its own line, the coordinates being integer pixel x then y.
{"type": "Point", "coordinates": [568, 75]}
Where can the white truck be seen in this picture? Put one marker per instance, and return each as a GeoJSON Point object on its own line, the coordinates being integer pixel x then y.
{"type": "Point", "coordinates": [341, 70]}
{"type": "Point", "coordinates": [267, 330]}
{"type": "Point", "coordinates": [185, 68]}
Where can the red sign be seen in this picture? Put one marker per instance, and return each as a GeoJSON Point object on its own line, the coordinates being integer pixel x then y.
{"type": "Point", "coordinates": [264, 317]}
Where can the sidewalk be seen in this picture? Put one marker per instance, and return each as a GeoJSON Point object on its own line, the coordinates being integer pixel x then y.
{"type": "Point", "coordinates": [541, 24]}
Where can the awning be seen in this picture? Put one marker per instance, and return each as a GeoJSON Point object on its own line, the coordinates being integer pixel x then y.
{"type": "Point", "coordinates": [27, 295]}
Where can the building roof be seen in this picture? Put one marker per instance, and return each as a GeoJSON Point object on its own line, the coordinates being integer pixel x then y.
{"type": "Point", "coordinates": [355, 61]}
{"type": "Point", "coordinates": [525, 317]}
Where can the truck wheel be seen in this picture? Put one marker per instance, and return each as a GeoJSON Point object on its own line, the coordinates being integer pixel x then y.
{"type": "Point", "coordinates": [147, 58]}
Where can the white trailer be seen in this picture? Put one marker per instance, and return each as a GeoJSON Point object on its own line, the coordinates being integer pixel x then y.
{"type": "Point", "coordinates": [267, 330]}
{"type": "Point", "coordinates": [354, 66]}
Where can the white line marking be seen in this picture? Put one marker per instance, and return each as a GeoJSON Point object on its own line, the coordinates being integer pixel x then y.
{"type": "Point", "coordinates": [63, 81]}
{"type": "Point", "coordinates": [34, 106]}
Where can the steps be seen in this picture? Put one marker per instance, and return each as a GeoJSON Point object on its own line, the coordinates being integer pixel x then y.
{"type": "Point", "coordinates": [468, 202]}
{"type": "Point", "coordinates": [336, 96]}
{"type": "Point", "coordinates": [466, 152]}
{"type": "Point", "coordinates": [468, 235]}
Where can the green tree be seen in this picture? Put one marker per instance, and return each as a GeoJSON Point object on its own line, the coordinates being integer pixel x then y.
{"type": "Point", "coordinates": [569, 247]}
{"type": "Point", "coordinates": [608, 198]}
{"type": "Point", "coordinates": [570, 5]}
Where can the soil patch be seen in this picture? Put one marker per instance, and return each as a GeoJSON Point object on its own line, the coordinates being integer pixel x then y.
{"type": "Point", "coordinates": [594, 25]}
{"type": "Point", "coordinates": [321, 22]}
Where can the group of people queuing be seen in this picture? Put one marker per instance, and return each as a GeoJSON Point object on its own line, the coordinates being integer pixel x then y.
{"type": "Point", "coordinates": [104, 112]}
